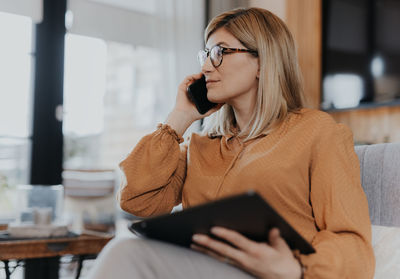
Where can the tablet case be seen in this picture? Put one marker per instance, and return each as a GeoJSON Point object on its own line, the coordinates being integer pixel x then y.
{"type": "Point", "coordinates": [247, 213]}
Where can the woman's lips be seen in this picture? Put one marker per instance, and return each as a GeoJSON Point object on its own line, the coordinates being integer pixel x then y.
{"type": "Point", "coordinates": [211, 82]}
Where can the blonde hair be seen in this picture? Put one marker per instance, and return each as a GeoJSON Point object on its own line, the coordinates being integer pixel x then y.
{"type": "Point", "coordinates": [280, 89]}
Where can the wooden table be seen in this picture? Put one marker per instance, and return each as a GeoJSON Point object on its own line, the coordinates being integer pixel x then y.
{"type": "Point", "coordinates": [41, 256]}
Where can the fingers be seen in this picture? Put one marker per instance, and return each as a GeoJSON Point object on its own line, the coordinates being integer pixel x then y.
{"type": "Point", "coordinates": [220, 248]}
{"type": "Point", "coordinates": [188, 80]}
{"type": "Point", "coordinates": [183, 101]}
{"type": "Point", "coordinates": [247, 254]}
{"type": "Point", "coordinates": [216, 256]}
{"type": "Point", "coordinates": [276, 241]}
{"type": "Point", "coordinates": [208, 252]}
{"type": "Point", "coordinates": [273, 235]}
{"type": "Point", "coordinates": [234, 237]}
{"type": "Point", "coordinates": [191, 78]}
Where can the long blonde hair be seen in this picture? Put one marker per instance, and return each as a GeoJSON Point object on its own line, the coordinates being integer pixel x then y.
{"type": "Point", "coordinates": [280, 89]}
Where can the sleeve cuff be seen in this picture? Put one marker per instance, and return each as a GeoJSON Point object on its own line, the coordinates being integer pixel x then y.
{"type": "Point", "coordinates": [167, 129]}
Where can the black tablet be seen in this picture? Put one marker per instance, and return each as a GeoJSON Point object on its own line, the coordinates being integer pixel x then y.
{"type": "Point", "coordinates": [247, 213]}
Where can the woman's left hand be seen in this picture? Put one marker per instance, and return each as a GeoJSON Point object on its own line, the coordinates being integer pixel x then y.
{"type": "Point", "coordinates": [259, 259]}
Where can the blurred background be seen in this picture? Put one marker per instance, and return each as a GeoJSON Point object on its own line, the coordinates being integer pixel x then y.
{"type": "Point", "coordinates": [81, 81]}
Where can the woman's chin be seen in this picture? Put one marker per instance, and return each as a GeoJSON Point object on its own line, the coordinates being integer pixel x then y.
{"type": "Point", "coordinates": [217, 100]}
{"type": "Point", "coordinates": [214, 99]}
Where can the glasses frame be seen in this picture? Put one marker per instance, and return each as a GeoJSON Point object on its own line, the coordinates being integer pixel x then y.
{"type": "Point", "coordinates": [224, 50]}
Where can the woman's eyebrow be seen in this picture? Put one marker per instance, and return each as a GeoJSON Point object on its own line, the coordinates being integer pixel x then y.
{"type": "Point", "coordinates": [222, 43]}
{"type": "Point", "coordinates": [218, 44]}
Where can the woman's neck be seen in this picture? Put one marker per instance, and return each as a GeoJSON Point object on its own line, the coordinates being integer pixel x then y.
{"type": "Point", "coordinates": [243, 109]}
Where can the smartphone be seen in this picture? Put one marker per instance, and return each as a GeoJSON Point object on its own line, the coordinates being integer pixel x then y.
{"type": "Point", "coordinates": [197, 93]}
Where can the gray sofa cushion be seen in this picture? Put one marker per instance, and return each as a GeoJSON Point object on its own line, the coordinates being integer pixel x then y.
{"type": "Point", "coordinates": [380, 178]}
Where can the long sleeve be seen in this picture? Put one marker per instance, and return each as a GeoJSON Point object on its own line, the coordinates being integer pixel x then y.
{"type": "Point", "coordinates": [343, 241]}
{"type": "Point", "coordinates": [154, 174]}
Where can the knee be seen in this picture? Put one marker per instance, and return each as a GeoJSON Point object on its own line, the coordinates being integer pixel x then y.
{"type": "Point", "coordinates": [119, 248]}
{"type": "Point", "coordinates": [119, 243]}
{"type": "Point", "coordinates": [116, 259]}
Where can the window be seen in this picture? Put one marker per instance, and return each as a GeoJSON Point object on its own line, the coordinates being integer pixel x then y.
{"type": "Point", "coordinates": [15, 105]}
{"type": "Point", "coordinates": [121, 76]}
{"type": "Point", "coordinates": [15, 96]}
{"type": "Point", "coordinates": [110, 99]}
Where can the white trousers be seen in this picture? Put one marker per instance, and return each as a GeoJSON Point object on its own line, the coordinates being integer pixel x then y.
{"type": "Point", "coordinates": [142, 258]}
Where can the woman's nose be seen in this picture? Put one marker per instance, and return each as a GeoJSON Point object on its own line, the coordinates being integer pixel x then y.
{"type": "Point", "coordinates": [207, 66]}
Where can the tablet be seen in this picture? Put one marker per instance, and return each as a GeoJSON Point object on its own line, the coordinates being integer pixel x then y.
{"type": "Point", "coordinates": [248, 214]}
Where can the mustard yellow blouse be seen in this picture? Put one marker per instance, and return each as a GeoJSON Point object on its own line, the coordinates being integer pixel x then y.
{"type": "Point", "coordinates": [306, 169]}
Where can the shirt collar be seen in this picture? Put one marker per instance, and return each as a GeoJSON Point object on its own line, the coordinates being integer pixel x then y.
{"type": "Point", "coordinates": [230, 136]}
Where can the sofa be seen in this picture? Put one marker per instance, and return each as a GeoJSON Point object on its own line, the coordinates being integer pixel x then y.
{"type": "Point", "coordinates": [380, 178]}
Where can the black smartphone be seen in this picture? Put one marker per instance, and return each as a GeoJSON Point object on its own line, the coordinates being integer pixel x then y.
{"type": "Point", "coordinates": [197, 92]}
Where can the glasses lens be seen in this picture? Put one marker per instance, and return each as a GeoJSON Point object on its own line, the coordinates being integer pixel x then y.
{"type": "Point", "coordinates": [216, 55]}
{"type": "Point", "coordinates": [202, 56]}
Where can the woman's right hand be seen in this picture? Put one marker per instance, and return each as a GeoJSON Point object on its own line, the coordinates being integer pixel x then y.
{"type": "Point", "coordinates": [183, 102]}
{"type": "Point", "coordinates": [185, 112]}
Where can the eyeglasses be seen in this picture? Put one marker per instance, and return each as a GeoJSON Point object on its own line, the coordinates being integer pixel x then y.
{"type": "Point", "coordinates": [217, 52]}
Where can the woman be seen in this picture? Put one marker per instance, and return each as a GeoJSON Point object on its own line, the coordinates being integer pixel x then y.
{"type": "Point", "coordinates": [258, 137]}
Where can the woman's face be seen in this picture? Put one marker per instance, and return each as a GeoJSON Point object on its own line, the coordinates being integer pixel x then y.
{"type": "Point", "coordinates": [236, 78]}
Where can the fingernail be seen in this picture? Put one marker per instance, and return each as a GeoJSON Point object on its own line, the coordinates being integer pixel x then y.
{"type": "Point", "coordinates": [197, 237]}
{"type": "Point", "coordinates": [215, 230]}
